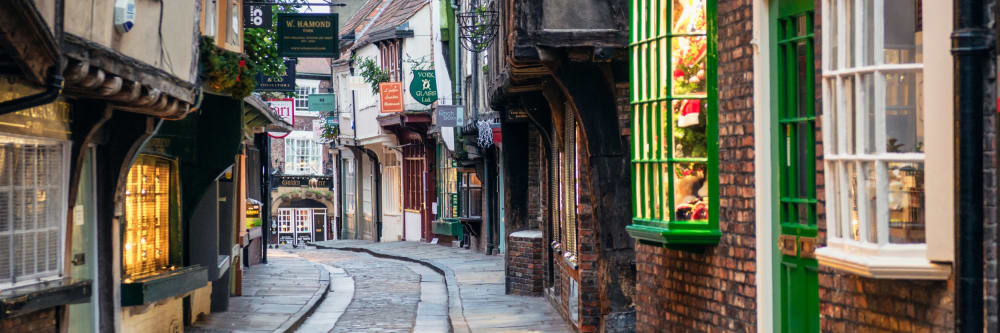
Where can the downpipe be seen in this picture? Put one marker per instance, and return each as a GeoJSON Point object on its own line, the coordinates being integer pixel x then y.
{"type": "Point", "coordinates": [971, 41]}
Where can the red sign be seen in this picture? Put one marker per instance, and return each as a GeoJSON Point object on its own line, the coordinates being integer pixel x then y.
{"type": "Point", "coordinates": [391, 95]}
{"type": "Point", "coordinates": [284, 108]}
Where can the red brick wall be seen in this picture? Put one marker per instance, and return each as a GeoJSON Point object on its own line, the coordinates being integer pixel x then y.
{"type": "Point", "coordinates": [524, 265]}
{"type": "Point", "coordinates": [713, 288]}
{"type": "Point", "coordinates": [38, 321]}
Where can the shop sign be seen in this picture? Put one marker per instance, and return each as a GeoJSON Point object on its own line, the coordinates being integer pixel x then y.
{"type": "Point", "coordinates": [321, 102]}
{"type": "Point", "coordinates": [391, 96]}
{"type": "Point", "coordinates": [253, 215]}
{"type": "Point", "coordinates": [300, 181]}
{"type": "Point", "coordinates": [447, 115]}
{"type": "Point", "coordinates": [256, 16]}
{"type": "Point", "coordinates": [285, 239]}
{"type": "Point", "coordinates": [308, 35]}
{"type": "Point", "coordinates": [285, 82]}
{"type": "Point", "coordinates": [284, 108]}
{"type": "Point", "coordinates": [424, 87]}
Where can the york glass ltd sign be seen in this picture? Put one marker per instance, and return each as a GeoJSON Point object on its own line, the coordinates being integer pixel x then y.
{"type": "Point", "coordinates": [307, 35]}
{"type": "Point", "coordinates": [423, 88]}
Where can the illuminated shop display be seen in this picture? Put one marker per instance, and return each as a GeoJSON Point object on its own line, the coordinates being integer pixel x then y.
{"type": "Point", "coordinates": [146, 242]}
{"type": "Point", "coordinates": [674, 121]}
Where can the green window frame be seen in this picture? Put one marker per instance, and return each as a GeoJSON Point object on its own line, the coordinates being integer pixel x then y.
{"type": "Point", "coordinates": [674, 121]}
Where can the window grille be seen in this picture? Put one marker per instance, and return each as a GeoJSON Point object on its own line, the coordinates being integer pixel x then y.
{"type": "Point", "coordinates": [302, 96]}
{"type": "Point", "coordinates": [284, 220]}
{"type": "Point", "coordinates": [146, 244]}
{"type": "Point", "coordinates": [303, 157]}
{"type": "Point", "coordinates": [33, 186]}
{"type": "Point", "coordinates": [471, 195]}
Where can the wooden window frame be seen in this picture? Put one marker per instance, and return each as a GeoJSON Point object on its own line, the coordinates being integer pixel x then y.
{"type": "Point", "coordinates": [653, 198]}
{"type": "Point", "coordinates": [874, 255]}
{"type": "Point", "coordinates": [174, 241]}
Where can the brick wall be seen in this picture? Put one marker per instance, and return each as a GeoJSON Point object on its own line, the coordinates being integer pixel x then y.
{"type": "Point", "coordinates": [524, 263]}
{"type": "Point", "coordinates": [713, 288]}
{"type": "Point", "coordinates": [163, 316]}
{"type": "Point", "coordinates": [39, 321]}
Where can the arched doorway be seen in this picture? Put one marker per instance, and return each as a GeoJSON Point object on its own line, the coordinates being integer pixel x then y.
{"type": "Point", "coordinates": [302, 216]}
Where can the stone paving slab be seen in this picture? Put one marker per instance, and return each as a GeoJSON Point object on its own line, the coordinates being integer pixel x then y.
{"type": "Point", "coordinates": [277, 297]}
{"type": "Point", "coordinates": [475, 283]}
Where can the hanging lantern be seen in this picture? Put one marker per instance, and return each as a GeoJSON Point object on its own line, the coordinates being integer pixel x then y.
{"type": "Point", "coordinates": [478, 25]}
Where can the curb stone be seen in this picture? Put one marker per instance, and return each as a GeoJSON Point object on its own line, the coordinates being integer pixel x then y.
{"type": "Point", "coordinates": [456, 317]}
{"type": "Point", "coordinates": [299, 317]}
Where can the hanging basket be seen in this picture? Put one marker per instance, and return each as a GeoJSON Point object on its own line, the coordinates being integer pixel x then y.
{"type": "Point", "coordinates": [478, 25]}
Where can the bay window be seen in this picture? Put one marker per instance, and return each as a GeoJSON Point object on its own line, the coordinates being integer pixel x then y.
{"type": "Point", "coordinates": [303, 154]}
{"type": "Point", "coordinates": [674, 135]}
{"type": "Point", "coordinates": [879, 136]}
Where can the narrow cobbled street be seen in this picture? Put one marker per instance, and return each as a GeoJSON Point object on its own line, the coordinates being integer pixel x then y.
{"type": "Point", "coordinates": [380, 287]}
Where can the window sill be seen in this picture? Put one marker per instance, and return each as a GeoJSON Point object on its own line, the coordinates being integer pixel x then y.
{"type": "Point", "coordinates": [907, 267]}
{"type": "Point", "coordinates": [18, 301]}
{"type": "Point", "coordinates": [666, 234]}
{"type": "Point", "coordinates": [168, 284]}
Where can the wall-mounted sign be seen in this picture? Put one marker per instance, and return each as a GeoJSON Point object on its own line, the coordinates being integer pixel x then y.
{"type": "Point", "coordinates": [308, 35]}
{"type": "Point", "coordinates": [285, 82]}
{"type": "Point", "coordinates": [256, 16]}
{"type": "Point", "coordinates": [322, 102]}
{"type": "Point", "coordinates": [391, 95]}
{"type": "Point", "coordinates": [284, 108]}
{"type": "Point", "coordinates": [447, 115]}
{"type": "Point", "coordinates": [423, 88]}
{"type": "Point", "coordinates": [253, 215]}
{"type": "Point", "coordinates": [299, 181]}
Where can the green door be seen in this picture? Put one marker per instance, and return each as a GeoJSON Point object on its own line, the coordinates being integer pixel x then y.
{"type": "Point", "coordinates": [795, 132]}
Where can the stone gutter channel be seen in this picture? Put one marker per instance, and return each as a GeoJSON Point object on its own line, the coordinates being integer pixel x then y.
{"type": "Point", "coordinates": [317, 298]}
{"type": "Point", "coordinates": [456, 318]}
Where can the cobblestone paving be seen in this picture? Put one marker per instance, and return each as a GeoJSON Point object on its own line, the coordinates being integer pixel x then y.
{"type": "Point", "coordinates": [386, 292]}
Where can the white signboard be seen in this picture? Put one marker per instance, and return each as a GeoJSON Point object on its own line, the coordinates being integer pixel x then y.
{"type": "Point", "coordinates": [284, 108]}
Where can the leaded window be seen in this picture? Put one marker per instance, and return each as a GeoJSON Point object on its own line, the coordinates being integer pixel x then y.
{"type": "Point", "coordinates": [33, 185]}
{"type": "Point", "coordinates": [149, 202]}
{"type": "Point", "coordinates": [674, 136]}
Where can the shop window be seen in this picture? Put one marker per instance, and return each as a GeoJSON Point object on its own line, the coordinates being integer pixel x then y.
{"type": "Point", "coordinates": [149, 205]}
{"type": "Point", "coordinates": [350, 187]}
{"type": "Point", "coordinates": [674, 135]}
{"type": "Point", "coordinates": [569, 185]}
{"type": "Point", "coordinates": [447, 184]}
{"type": "Point", "coordinates": [471, 195]}
{"type": "Point", "coordinates": [413, 169]}
{"type": "Point", "coordinates": [391, 186]}
{"type": "Point", "coordinates": [33, 185]}
{"type": "Point", "coordinates": [284, 220]}
{"type": "Point", "coordinates": [876, 140]}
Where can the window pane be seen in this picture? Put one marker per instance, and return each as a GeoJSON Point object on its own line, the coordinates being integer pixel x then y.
{"type": "Point", "coordinates": [868, 91]}
{"type": "Point", "coordinates": [688, 16]}
{"type": "Point", "coordinates": [689, 132]}
{"type": "Point", "coordinates": [833, 200]}
{"type": "Point", "coordinates": [901, 34]}
{"type": "Point", "coordinates": [803, 155]}
{"type": "Point", "coordinates": [833, 112]}
{"type": "Point", "coordinates": [850, 31]}
{"type": "Point", "coordinates": [868, 202]}
{"type": "Point", "coordinates": [904, 118]}
{"type": "Point", "coordinates": [688, 65]}
{"type": "Point", "coordinates": [852, 197]}
{"type": "Point", "coordinates": [906, 203]}
{"type": "Point", "coordinates": [848, 113]}
{"type": "Point", "coordinates": [802, 62]}
{"type": "Point", "coordinates": [834, 40]}
{"type": "Point", "coordinates": [690, 191]}
{"type": "Point", "coordinates": [869, 33]}
{"type": "Point", "coordinates": [147, 217]}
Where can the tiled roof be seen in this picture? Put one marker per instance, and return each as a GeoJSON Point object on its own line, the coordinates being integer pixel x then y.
{"type": "Point", "coordinates": [397, 12]}
{"type": "Point", "coordinates": [361, 17]}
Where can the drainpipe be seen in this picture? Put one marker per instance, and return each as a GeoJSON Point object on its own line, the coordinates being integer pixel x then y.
{"type": "Point", "coordinates": [54, 84]}
{"type": "Point", "coordinates": [971, 41]}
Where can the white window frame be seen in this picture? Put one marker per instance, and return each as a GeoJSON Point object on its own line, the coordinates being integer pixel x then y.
{"type": "Point", "coordinates": [284, 220]}
{"type": "Point", "coordinates": [303, 145]}
{"type": "Point", "coordinates": [350, 186]}
{"type": "Point", "coordinates": [59, 193]}
{"type": "Point", "coordinates": [391, 184]}
{"type": "Point", "coordinates": [882, 259]}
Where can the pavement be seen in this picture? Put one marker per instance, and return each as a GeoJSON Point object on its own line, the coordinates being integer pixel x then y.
{"type": "Point", "coordinates": [474, 281]}
{"type": "Point", "coordinates": [277, 297]}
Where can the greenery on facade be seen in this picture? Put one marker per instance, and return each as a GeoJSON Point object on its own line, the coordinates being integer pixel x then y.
{"type": "Point", "coordinates": [226, 71]}
{"type": "Point", "coordinates": [372, 73]}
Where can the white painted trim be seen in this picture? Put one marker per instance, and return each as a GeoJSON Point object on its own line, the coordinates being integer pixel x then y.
{"type": "Point", "coordinates": [762, 166]}
{"type": "Point", "coordinates": [939, 132]}
{"type": "Point", "coordinates": [882, 266]}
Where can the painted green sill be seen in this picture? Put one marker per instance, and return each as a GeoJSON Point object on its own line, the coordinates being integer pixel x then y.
{"type": "Point", "coordinates": [447, 227]}
{"type": "Point", "coordinates": [674, 233]}
{"type": "Point", "coordinates": [169, 284]}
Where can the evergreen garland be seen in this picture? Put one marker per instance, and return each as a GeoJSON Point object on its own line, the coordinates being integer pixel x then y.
{"type": "Point", "coordinates": [226, 71]}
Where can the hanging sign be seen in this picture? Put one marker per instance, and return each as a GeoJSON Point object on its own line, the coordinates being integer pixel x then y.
{"type": "Point", "coordinates": [424, 88]}
{"type": "Point", "coordinates": [308, 35]}
{"type": "Point", "coordinates": [391, 96]}
{"type": "Point", "coordinates": [321, 102]}
{"type": "Point", "coordinates": [447, 115]}
{"type": "Point", "coordinates": [257, 16]}
{"type": "Point", "coordinates": [284, 108]}
{"type": "Point", "coordinates": [284, 82]}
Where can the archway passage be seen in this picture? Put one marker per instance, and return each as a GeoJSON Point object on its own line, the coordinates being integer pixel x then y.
{"type": "Point", "coordinates": [302, 216]}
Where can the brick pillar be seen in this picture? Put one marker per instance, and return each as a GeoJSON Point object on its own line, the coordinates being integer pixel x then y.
{"type": "Point", "coordinates": [524, 263]}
